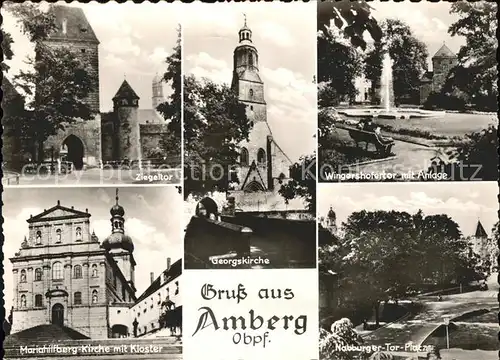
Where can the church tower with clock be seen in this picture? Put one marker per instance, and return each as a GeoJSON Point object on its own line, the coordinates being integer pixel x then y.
{"type": "Point", "coordinates": [262, 163]}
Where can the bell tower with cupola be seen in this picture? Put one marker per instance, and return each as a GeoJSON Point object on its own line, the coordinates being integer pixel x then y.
{"type": "Point", "coordinates": [126, 141]}
{"type": "Point", "coordinates": [119, 244]}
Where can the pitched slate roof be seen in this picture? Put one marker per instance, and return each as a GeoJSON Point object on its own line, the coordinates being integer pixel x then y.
{"type": "Point", "coordinates": [480, 232]}
{"type": "Point", "coordinates": [444, 52]}
{"type": "Point", "coordinates": [125, 91]}
{"type": "Point", "coordinates": [77, 26]}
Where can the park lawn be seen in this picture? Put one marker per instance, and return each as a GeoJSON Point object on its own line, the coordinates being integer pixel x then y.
{"type": "Point", "coordinates": [451, 125]}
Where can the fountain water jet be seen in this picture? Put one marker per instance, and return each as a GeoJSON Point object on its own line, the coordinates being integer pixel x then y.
{"type": "Point", "coordinates": [386, 84]}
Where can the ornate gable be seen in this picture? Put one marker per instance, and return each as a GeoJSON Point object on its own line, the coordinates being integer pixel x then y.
{"type": "Point", "coordinates": [58, 212]}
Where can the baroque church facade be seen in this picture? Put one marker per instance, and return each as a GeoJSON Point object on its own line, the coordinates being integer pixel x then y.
{"type": "Point", "coordinates": [263, 165]}
{"type": "Point", "coordinates": [63, 275]}
{"type": "Point", "coordinates": [443, 61]}
{"type": "Point", "coordinates": [126, 133]}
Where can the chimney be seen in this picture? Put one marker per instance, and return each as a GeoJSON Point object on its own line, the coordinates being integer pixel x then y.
{"type": "Point", "coordinates": [168, 263]}
{"type": "Point", "coordinates": [152, 276]}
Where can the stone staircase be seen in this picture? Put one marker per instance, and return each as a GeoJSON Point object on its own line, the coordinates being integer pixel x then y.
{"type": "Point", "coordinates": [53, 343]}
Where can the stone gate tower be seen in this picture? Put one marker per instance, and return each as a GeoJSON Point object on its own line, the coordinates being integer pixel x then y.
{"type": "Point", "coordinates": [127, 134]}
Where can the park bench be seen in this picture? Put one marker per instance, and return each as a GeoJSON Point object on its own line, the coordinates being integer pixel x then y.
{"type": "Point", "coordinates": [383, 147]}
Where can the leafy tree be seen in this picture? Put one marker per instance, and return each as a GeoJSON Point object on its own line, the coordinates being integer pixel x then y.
{"type": "Point", "coordinates": [473, 159]}
{"type": "Point", "coordinates": [58, 82]}
{"type": "Point", "coordinates": [409, 56]}
{"type": "Point", "coordinates": [342, 334]}
{"type": "Point", "coordinates": [170, 143]}
{"type": "Point", "coordinates": [385, 252]}
{"type": "Point", "coordinates": [215, 122]}
{"type": "Point", "coordinates": [477, 23]}
{"type": "Point", "coordinates": [7, 42]}
{"type": "Point", "coordinates": [302, 182]}
{"type": "Point", "coordinates": [338, 65]}
{"type": "Point", "coordinates": [352, 17]}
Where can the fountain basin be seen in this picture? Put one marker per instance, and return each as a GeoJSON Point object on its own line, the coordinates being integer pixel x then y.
{"type": "Point", "coordinates": [399, 113]}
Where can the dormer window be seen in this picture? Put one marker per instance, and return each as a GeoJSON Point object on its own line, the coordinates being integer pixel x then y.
{"type": "Point", "coordinates": [135, 102]}
{"type": "Point", "coordinates": [83, 30]}
{"type": "Point", "coordinates": [38, 238]}
{"type": "Point", "coordinates": [124, 102]}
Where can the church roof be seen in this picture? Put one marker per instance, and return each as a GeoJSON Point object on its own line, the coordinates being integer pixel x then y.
{"type": "Point", "coordinates": [58, 212]}
{"type": "Point", "coordinates": [118, 240]}
{"type": "Point", "coordinates": [444, 52]}
{"type": "Point", "coordinates": [172, 273]}
{"type": "Point", "coordinates": [77, 26]}
{"type": "Point", "coordinates": [480, 232]}
{"type": "Point", "coordinates": [125, 92]}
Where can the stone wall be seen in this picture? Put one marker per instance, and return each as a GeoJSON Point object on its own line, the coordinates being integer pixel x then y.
{"type": "Point", "coordinates": [151, 136]}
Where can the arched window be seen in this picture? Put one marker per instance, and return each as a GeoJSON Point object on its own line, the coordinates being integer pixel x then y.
{"type": "Point", "coordinates": [250, 93]}
{"type": "Point", "coordinates": [94, 270]}
{"type": "Point", "coordinates": [77, 298]}
{"type": "Point", "coordinates": [244, 157]}
{"type": "Point", "coordinates": [58, 235]}
{"type": "Point", "coordinates": [94, 297]}
{"type": "Point", "coordinates": [38, 300]}
{"type": "Point", "coordinates": [57, 271]}
{"type": "Point", "coordinates": [77, 272]}
{"type": "Point", "coordinates": [250, 59]}
{"type": "Point", "coordinates": [38, 274]}
{"type": "Point", "coordinates": [23, 276]}
{"type": "Point", "coordinates": [78, 234]}
{"type": "Point", "coordinates": [261, 156]}
{"type": "Point", "coordinates": [38, 237]}
{"type": "Point", "coordinates": [23, 301]}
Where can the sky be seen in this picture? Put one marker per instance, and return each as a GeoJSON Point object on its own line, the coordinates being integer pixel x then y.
{"type": "Point", "coordinates": [135, 40]}
{"type": "Point", "coordinates": [428, 21]}
{"type": "Point", "coordinates": [152, 220]}
{"type": "Point", "coordinates": [285, 37]}
{"type": "Point", "coordinates": [465, 203]}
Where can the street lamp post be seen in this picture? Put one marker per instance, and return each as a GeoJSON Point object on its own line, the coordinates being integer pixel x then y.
{"type": "Point", "coordinates": [446, 319]}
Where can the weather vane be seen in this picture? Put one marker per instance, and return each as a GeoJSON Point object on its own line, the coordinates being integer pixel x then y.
{"type": "Point", "coordinates": [116, 195]}
{"type": "Point", "coordinates": [245, 17]}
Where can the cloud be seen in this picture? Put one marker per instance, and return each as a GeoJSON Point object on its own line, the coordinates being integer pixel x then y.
{"type": "Point", "coordinates": [275, 33]}
{"type": "Point", "coordinates": [122, 46]}
{"type": "Point", "coordinates": [202, 65]}
{"type": "Point", "coordinates": [159, 55]}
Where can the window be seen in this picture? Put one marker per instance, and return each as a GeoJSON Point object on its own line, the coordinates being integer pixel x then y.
{"type": "Point", "coordinates": [23, 301]}
{"type": "Point", "coordinates": [251, 107]}
{"type": "Point", "coordinates": [77, 298]}
{"type": "Point", "coordinates": [124, 294]}
{"type": "Point", "coordinates": [77, 272]}
{"type": "Point", "coordinates": [177, 288]}
{"type": "Point", "coordinates": [78, 234]}
{"type": "Point", "coordinates": [124, 102]}
{"type": "Point", "coordinates": [94, 270]}
{"type": "Point", "coordinates": [114, 280]}
{"type": "Point", "coordinates": [38, 300]}
{"type": "Point", "coordinates": [38, 274]}
{"type": "Point", "coordinates": [38, 238]}
{"type": "Point", "coordinates": [250, 59]}
{"type": "Point", "coordinates": [23, 276]}
{"type": "Point", "coordinates": [57, 271]}
{"type": "Point", "coordinates": [250, 93]}
{"type": "Point", "coordinates": [58, 235]}
{"type": "Point", "coordinates": [244, 156]}
{"type": "Point", "coordinates": [261, 156]}
{"type": "Point", "coordinates": [83, 51]}
{"type": "Point", "coordinates": [94, 297]}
